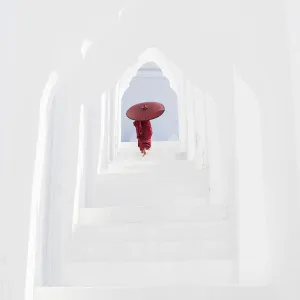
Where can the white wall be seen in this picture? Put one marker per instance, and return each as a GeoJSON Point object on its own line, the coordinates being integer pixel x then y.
{"type": "Point", "coordinates": [253, 242]}
{"type": "Point", "coordinates": [292, 10]}
{"type": "Point", "coordinates": [35, 45]}
{"type": "Point", "coordinates": [264, 65]}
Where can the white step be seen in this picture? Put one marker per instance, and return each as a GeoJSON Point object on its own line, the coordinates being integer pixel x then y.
{"type": "Point", "coordinates": [132, 274]}
{"type": "Point", "coordinates": [158, 149]}
{"type": "Point", "coordinates": [137, 189]}
{"type": "Point", "coordinates": [158, 231]}
{"type": "Point", "coordinates": [167, 172]}
{"type": "Point", "coordinates": [120, 198]}
{"type": "Point", "coordinates": [161, 145]}
{"type": "Point", "coordinates": [185, 210]}
{"type": "Point", "coordinates": [170, 177]}
{"type": "Point", "coordinates": [145, 165]}
{"type": "Point", "coordinates": [153, 233]}
{"type": "Point", "coordinates": [175, 292]}
{"type": "Point", "coordinates": [150, 251]}
{"type": "Point", "coordinates": [153, 155]}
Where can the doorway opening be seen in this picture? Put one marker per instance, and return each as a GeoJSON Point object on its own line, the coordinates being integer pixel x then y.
{"type": "Point", "coordinates": [150, 84]}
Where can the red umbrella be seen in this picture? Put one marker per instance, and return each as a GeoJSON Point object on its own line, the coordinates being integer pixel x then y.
{"type": "Point", "coordinates": [145, 111]}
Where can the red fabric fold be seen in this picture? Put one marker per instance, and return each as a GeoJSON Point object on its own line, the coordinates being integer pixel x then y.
{"type": "Point", "coordinates": [143, 134]}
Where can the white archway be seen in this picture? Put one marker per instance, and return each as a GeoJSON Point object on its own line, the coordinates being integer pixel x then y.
{"type": "Point", "coordinates": [150, 84]}
{"type": "Point", "coordinates": [172, 72]}
{"type": "Point", "coordinates": [177, 83]}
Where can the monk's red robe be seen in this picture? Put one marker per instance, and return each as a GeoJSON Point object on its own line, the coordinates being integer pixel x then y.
{"type": "Point", "coordinates": [143, 134]}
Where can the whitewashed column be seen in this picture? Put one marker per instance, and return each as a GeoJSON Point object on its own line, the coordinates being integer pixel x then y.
{"type": "Point", "coordinates": [117, 133]}
{"type": "Point", "coordinates": [182, 117]}
{"type": "Point", "coordinates": [65, 156]}
{"type": "Point", "coordinates": [197, 115]}
{"type": "Point", "coordinates": [112, 124]}
{"type": "Point", "coordinates": [104, 132]}
{"type": "Point", "coordinates": [190, 122]}
{"type": "Point", "coordinates": [81, 188]}
{"type": "Point", "coordinates": [201, 136]}
{"type": "Point", "coordinates": [58, 132]}
{"type": "Point", "coordinates": [101, 137]}
{"type": "Point", "coordinates": [204, 131]}
{"type": "Point", "coordinates": [216, 180]}
{"type": "Point", "coordinates": [117, 119]}
{"type": "Point", "coordinates": [252, 237]}
{"type": "Point", "coordinates": [69, 182]}
{"type": "Point", "coordinates": [107, 130]}
{"type": "Point", "coordinates": [92, 133]}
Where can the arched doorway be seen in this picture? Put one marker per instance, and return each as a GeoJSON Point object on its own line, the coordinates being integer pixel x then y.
{"type": "Point", "coordinates": [149, 84]}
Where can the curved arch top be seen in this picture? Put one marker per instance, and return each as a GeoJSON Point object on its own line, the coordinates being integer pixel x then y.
{"type": "Point", "coordinates": [151, 65]}
{"type": "Point", "coordinates": [153, 58]}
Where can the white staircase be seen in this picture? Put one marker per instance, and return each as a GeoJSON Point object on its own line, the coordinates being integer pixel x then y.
{"type": "Point", "coordinates": [150, 226]}
{"type": "Point", "coordinates": [190, 292]}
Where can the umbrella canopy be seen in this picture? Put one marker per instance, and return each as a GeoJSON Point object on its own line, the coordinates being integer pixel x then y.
{"type": "Point", "coordinates": [145, 111]}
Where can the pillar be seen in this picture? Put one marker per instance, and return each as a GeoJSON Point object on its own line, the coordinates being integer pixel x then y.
{"type": "Point", "coordinates": [118, 119]}
{"type": "Point", "coordinates": [101, 136]}
{"type": "Point", "coordinates": [81, 188]}
{"type": "Point", "coordinates": [190, 132]}
{"type": "Point", "coordinates": [216, 179]}
{"type": "Point", "coordinates": [253, 240]}
{"type": "Point", "coordinates": [182, 116]}
{"type": "Point", "coordinates": [108, 128]}
{"type": "Point", "coordinates": [199, 157]}
{"type": "Point", "coordinates": [201, 129]}
{"type": "Point", "coordinates": [266, 67]}
{"type": "Point", "coordinates": [112, 125]}
{"type": "Point", "coordinates": [93, 133]}
{"type": "Point", "coordinates": [64, 171]}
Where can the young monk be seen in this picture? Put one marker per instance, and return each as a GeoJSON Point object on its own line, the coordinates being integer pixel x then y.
{"type": "Point", "coordinates": [143, 134]}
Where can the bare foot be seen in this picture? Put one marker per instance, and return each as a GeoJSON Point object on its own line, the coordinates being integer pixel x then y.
{"type": "Point", "coordinates": [144, 153]}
